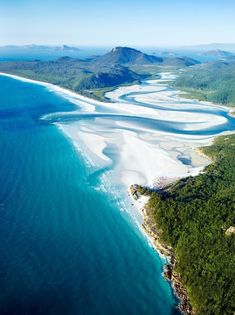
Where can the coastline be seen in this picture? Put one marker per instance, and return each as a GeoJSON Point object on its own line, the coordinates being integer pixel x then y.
{"type": "Point", "coordinates": [76, 232]}
{"type": "Point", "coordinates": [152, 232]}
{"type": "Point", "coordinates": [53, 87]}
{"type": "Point", "coordinates": [170, 273]}
{"type": "Point", "coordinates": [168, 205]}
{"type": "Point", "coordinates": [148, 224]}
{"type": "Point", "coordinates": [162, 148]}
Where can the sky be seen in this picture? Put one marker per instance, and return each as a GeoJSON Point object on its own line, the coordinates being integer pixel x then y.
{"type": "Point", "coordinates": [117, 22]}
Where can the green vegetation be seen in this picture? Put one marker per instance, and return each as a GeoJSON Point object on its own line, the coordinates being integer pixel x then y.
{"type": "Point", "coordinates": [120, 66]}
{"type": "Point", "coordinates": [99, 94]}
{"type": "Point", "coordinates": [213, 82]}
{"type": "Point", "coordinates": [193, 216]}
{"type": "Point", "coordinates": [80, 76]}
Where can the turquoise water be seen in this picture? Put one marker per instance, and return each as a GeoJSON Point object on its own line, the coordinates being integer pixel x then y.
{"type": "Point", "coordinates": [65, 247]}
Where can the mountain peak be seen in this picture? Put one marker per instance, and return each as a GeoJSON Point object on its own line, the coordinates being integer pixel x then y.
{"type": "Point", "coordinates": [217, 52]}
{"type": "Point", "coordinates": [127, 56]}
{"type": "Point", "coordinates": [123, 48]}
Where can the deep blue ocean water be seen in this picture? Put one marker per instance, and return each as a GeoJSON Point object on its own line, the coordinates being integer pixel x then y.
{"type": "Point", "coordinates": [65, 248]}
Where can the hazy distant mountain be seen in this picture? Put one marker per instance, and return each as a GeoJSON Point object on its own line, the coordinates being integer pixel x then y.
{"type": "Point", "coordinates": [217, 53]}
{"type": "Point", "coordinates": [213, 46]}
{"type": "Point", "coordinates": [41, 47]}
{"type": "Point", "coordinates": [67, 48]}
{"type": "Point", "coordinates": [180, 61]}
{"type": "Point", "coordinates": [127, 56]}
{"type": "Point", "coordinates": [31, 46]}
{"type": "Point", "coordinates": [166, 54]}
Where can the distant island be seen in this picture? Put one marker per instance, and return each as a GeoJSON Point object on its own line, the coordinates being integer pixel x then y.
{"type": "Point", "coordinates": [217, 52]}
{"type": "Point", "coordinates": [42, 47]}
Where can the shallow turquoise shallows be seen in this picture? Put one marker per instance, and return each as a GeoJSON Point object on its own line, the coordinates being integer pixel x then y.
{"type": "Point", "coordinates": [65, 248]}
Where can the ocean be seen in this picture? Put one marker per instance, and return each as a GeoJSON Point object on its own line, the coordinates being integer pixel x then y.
{"type": "Point", "coordinates": [66, 248]}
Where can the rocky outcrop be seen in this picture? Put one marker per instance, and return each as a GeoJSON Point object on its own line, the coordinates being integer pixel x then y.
{"type": "Point", "coordinates": [230, 231]}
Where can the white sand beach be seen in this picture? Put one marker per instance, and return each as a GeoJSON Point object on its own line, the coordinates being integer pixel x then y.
{"type": "Point", "coordinates": [150, 139]}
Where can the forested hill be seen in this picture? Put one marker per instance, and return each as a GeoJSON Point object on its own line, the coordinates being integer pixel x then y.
{"type": "Point", "coordinates": [122, 65]}
{"type": "Point", "coordinates": [197, 218]}
{"type": "Point", "coordinates": [214, 81]}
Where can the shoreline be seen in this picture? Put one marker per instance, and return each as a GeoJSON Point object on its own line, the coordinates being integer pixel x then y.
{"type": "Point", "coordinates": [152, 232]}
{"type": "Point", "coordinates": [148, 227]}
{"type": "Point", "coordinates": [131, 144]}
{"type": "Point", "coordinates": [169, 271]}
{"type": "Point", "coordinates": [55, 88]}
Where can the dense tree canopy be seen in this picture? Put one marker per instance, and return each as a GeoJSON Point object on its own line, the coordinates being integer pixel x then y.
{"type": "Point", "coordinates": [214, 81]}
{"type": "Point", "coordinates": [194, 215]}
